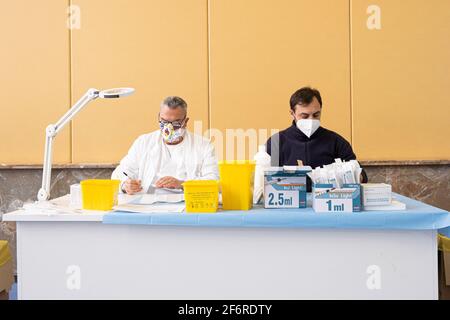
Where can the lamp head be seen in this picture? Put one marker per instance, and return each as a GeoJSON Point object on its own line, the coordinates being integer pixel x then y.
{"type": "Point", "coordinates": [115, 93]}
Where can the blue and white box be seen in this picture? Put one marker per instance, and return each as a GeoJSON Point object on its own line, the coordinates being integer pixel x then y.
{"type": "Point", "coordinates": [327, 198]}
{"type": "Point", "coordinates": [285, 187]}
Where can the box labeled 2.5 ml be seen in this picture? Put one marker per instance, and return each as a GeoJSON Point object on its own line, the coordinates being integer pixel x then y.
{"type": "Point", "coordinates": [285, 187]}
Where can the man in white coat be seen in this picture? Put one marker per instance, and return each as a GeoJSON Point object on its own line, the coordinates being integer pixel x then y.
{"type": "Point", "coordinates": [167, 157]}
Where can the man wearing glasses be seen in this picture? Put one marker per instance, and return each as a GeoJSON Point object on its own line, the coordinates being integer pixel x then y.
{"type": "Point", "coordinates": [169, 156]}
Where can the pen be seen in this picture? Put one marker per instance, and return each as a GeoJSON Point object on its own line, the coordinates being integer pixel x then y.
{"type": "Point", "coordinates": [127, 177]}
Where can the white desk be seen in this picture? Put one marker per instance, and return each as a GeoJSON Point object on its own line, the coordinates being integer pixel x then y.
{"type": "Point", "coordinates": [78, 257]}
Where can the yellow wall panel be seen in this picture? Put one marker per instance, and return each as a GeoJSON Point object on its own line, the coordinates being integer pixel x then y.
{"type": "Point", "coordinates": [158, 47]}
{"type": "Point", "coordinates": [34, 79]}
{"type": "Point", "coordinates": [262, 51]}
{"type": "Point", "coordinates": [401, 80]}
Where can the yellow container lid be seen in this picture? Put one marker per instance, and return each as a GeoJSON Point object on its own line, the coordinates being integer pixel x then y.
{"type": "Point", "coordinates": [200, 183]}
{"type": "Point", "coordinates": [5, 254]}
{"type": "Point", "coordinates": [237, 162]}
{"type": "Point", "coordinates": [100, 182]}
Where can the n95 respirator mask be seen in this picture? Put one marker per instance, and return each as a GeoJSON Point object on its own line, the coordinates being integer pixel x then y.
{"type": "Point", "coordinates": [308, 126]}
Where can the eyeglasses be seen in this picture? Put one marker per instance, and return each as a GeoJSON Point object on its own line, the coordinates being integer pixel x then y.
{"type": "Point", "coordinates": [175, 124]}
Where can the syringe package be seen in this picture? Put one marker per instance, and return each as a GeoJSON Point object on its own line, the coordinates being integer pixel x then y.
{"type": "Point", "coordinates": [327, 198]}
{"type": "Point", "coordinates": [285, 187]}
{"type": "Point", "coordinates": [336, 187]}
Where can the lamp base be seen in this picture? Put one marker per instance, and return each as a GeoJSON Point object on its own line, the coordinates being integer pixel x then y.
{"type": "Point", "coordinates": [43, 195]}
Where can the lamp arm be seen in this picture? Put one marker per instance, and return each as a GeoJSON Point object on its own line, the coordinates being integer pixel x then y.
{"type": "Point", "coordinates": [90, 95]}
{"type": "Point", "coordinates": [51, 132]}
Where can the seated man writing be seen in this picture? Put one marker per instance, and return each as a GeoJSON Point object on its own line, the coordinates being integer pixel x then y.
{"type": "Point", "coordinates": [167, 157]}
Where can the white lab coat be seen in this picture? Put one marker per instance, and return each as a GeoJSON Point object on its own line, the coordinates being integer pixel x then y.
{"type": "Point", "coordinates": [148, 152]}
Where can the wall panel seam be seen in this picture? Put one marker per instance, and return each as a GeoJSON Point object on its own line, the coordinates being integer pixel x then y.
{"type": "Point", "coordinates": [351, 72]}
{"type": "Point", "coordinates": [70, 88]}
{"type": "Point", "coordinates": [208, 45]}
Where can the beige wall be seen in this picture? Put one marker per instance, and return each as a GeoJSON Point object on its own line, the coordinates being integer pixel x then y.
{"type": "Point", "coordinates": [401, 80]}
{"type": "Point", "coordinates": [261, 51]}
{"type": "Point", "coordinates": [34, 79]}
{"type": "Point", "coordinates": [158, 47]}
{"type": "Point", "coordinates": [235, 62]}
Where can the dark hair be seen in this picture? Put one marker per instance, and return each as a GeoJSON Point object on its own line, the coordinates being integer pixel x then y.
{"type": "Point", "coordinates": [304, 96]}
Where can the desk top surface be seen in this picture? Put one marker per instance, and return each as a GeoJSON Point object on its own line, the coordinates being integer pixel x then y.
{"type": "Point", "coordinates": [417, 216]}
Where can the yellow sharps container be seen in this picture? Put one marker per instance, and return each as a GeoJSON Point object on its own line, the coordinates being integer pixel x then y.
{"type": "Point", "coordinates": [99, 194]}
{"type": "Point", "coordinates": [236, 181]}
{"type": "Point", "coordinates": [201, 196]}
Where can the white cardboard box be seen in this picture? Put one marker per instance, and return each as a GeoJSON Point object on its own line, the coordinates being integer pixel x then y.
{"type": "Point", "coordinates": [376, 194]}
{"type": "Point", "coordinates": [75, 196]}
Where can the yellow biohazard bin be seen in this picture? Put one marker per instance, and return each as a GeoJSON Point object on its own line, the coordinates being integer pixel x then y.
{"type": "Point", "coordinates": [99, 194]}
{"type": "Point", "coordinates": [6, 270]}
{"type": "Point", "coordinates": [236, 181]}
{"type": "Point", "coordinates": [201, 196]}
{"type": "Point", "coordinates": [444, 246]}
{"type": "Point", "coordinates": [443, 243]}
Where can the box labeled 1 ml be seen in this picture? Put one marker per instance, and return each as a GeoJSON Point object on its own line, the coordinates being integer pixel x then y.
{"type": "Point", "coordinates": [285, 187]}
{"type": "Point", "coordinates": [327, 198]}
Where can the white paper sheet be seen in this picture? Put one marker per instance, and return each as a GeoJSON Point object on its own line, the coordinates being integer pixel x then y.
{"type": "Point", "coordinates": [158, 198]}
{"type": "Point", "coordinates": [152, 208]}
{"type": "Point", "coordinates": [395, 205]}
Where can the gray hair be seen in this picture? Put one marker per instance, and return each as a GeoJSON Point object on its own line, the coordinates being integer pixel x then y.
{"type": "Point", "coordinates": [174, 102]}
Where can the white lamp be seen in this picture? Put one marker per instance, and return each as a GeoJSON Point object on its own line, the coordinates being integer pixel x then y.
{"type": "Point", "coordinates": [53, 129]}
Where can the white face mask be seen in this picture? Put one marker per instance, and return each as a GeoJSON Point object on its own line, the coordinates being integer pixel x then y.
{"type": "Point", "coordinates": [308, 126]}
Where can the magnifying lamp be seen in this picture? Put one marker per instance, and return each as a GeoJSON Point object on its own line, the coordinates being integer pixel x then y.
{"type": "Point", "coordinates": [53, 129]}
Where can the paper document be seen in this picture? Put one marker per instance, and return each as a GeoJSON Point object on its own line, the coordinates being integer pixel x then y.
{"type": "Point", "coordinates": [146, 198]}
{"type": "Point", "coordinates": [128, 198]}
{"type": "Point", "coordinates": [168, 190]}
{"type": "Point", "coordinates": [154, 190]}
{"type": "Point", "coordinates": [49, 208]}
{"type": "Point", "coordinates": [58, 206]}
{"type": "Point", "coordinates": [395, 205]}
{"type": "Point", "coordinates": [155, 198]}
{"type": "Point", "coordinates": [151, 208]}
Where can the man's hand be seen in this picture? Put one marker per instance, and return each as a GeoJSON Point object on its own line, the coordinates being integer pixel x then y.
{"type": "Point", "coordinates": [131, 186]}
{"type": "Point", "coordinates": [169, 182]}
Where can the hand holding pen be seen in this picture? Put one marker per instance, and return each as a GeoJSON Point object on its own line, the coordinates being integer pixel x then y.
{"type": "Point", "coordinates": [131, 186]}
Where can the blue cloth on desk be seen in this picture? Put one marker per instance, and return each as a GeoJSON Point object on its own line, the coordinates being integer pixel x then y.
{"type": "Point", "coordinates": [417, 216]}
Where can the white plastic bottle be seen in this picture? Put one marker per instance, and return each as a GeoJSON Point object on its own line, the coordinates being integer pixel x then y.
{"type": "Point", "coordinates": [263, 162]}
